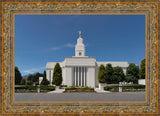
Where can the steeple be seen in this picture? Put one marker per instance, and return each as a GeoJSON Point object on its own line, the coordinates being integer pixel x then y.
{"type": "Point", "coordinates": [79, 33]}
{"type": "Point", "coordinates": [80, 47]}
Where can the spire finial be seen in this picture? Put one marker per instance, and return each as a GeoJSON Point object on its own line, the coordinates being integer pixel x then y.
{"type": "Point", "coordinates": [79, 33]}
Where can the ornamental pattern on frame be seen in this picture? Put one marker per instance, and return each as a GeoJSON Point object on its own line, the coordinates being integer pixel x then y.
{"type": "Point", "coordinates": [9, 10]}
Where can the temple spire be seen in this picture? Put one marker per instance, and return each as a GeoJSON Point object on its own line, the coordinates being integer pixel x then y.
{"type": "Point", "coordinates": [79, 33]}
{"type": "Point", "coordinates": [80, 47]}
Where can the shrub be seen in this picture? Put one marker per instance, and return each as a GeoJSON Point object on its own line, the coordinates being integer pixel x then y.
{"type": "Point", "coordinates": [79, 89]}
{"type": "Point", "coordinates": [67, 88]}
{"type": "Point", "coordinates": [36, 83]}
{"type": "Point", "coordinates": [29, 82]}
{"type": "Point", "coordinates": [50, 88]}
{"type": "Point", "coordinates": [63, 85]}
{"type": "Point", "coordinates": [31, 87]}
{"type": "Point", "coordinates": [91, 88]}
{"type": "Point", "coordinates": [109, 88]}
{"type": "Point", "coordinates": [86, 87]}
{"type": "Point", "coordinates": [45, 81]}
{"type": "Point", "coordinates": [70, 88]}
{"type": "Point", "coordinates": [21, 88]}
{"type": "Point", "coordinates": [73, 87]}
{"type": "Point", "coordinates": [134, 87]}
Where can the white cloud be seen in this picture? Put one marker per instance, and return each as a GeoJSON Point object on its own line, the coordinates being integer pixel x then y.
{"type": "Point", "coordinates": [33, 70]}
{"type": "Point", "coordinates": [68, 45]}
{"type": "Point", "coordinates": [29, 71]}
{"type": "Point", "coordinates": [55, 48]}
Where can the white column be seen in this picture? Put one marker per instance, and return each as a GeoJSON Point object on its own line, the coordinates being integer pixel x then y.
{"type": "Point", "coordinates": [81, 76]}
{"type": "Point", "coordinates": [84, 75]}
{"type": "Point", "coordinates": [75, 76]}
{"type": "Point", "coordinates": [78, 76]}
{"type": "Point", "coordinates": [50, 77]}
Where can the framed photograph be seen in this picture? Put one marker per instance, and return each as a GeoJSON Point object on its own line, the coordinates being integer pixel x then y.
{"type": "Point", "coordinates": [74, 57]}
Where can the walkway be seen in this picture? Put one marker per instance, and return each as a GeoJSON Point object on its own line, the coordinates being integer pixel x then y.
{"type": "Point", "coordinates": [62, 90]}
{"type": "Point", "coordinates": [57, 91]}
{"type": "Point", "coordinates": [101, 91]}
{"type": "Point", "coordinates": [77, 96]}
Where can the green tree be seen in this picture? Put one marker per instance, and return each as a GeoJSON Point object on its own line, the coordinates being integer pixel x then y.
{"type": "Point", "coordinates": [109, 72]}
{"type": "Point", "coordinates": [29, 82]}
{"type": "Point", "coordinates": [44, 73]}
{"type": "Point", "coordinates": [18, 76]}
{"type": "Point", "coordinates": [57, 75]}
{"type": "Point", "coordinates": [30, 77]}
{"type": "Point", "coordinates": [132, 71]}
{"type": "Point", "coordinates": [118, 75]}
{"type": "Point", "coordinates": [131, 78]}
{"type": "Point", "coordinates": [44, 81]}
{"type": "Point", "coordinates": [142, 69]}
{"type": "Point", "coordinates": [102, 76]}
{"type": "Point", "coordinates": [36, 77]}
{"type": "Point", "coordinates": [23, 81]}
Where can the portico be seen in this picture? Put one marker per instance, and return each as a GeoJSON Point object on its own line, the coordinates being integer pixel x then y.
{"type": "Point", "coordinates": [79, 71]}
{"type": "Point", "coordinates": [79, 76]}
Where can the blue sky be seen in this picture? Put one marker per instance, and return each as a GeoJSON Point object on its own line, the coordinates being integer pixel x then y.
{"type": "Point", "coordinates": [50, 38]}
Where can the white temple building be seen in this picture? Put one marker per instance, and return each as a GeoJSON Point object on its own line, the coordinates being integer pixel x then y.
{"type": "Point", "coordinates": [80, 70]}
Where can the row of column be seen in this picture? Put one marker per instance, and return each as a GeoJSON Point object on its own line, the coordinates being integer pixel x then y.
{"type": "Point", "coordinates": [79, 78]}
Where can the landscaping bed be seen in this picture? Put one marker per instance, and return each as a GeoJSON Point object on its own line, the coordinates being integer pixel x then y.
{"type": "Point", "coordinates": [33, 89]}
{"type": "Point", "coordinates": [62, 86]}
{"type": "Point", "coordinates": [79, 89]}
{"type": "Point", "coordinates": [126, 88]}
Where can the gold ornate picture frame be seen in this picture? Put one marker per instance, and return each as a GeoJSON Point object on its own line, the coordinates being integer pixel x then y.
{"type": "Point", "coordinates": [7, 50]}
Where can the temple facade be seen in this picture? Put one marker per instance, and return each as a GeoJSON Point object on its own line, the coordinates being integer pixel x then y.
{"type": "Point", "coordinates": [80, 70]}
